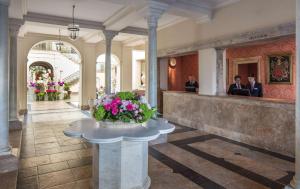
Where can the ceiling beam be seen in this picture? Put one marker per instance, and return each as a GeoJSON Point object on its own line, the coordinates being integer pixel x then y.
{"type": "Point", "coordinates": [123, 18]}
{"type": "Point", "coordinates": [190, 8]}
{"type": "Point", "coordinates": [64, 21]}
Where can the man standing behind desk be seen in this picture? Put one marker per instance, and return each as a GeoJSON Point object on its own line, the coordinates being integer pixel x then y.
{"type": "Point", "coordinates": [235, 86]}
{"type": "Point", "coordinates": [191, 85]}
{"type": "Point", "coordinates": [254, 87]}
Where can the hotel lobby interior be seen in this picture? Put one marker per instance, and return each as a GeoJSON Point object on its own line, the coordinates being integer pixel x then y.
{"type": "Point", "coordinates": [149, 94]}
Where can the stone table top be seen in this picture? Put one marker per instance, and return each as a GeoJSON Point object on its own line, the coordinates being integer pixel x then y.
{"type": "Point", "coordinates": [89, 130]}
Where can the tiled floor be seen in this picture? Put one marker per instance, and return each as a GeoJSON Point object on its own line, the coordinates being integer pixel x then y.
{"type": "Point", "coordinates": [190, 160]}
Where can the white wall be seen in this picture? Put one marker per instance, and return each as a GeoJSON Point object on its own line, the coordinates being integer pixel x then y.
{"type": "Point", "coordinates": [136, 67]}
{"type": "Point", "coordinates": [207, 71]}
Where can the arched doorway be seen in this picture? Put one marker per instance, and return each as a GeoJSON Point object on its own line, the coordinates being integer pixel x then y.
{"type": "Point", "coordinates": [115, 74]}
{"type": "Point", "coordinates": [53, 70]}
{"type": "Point", "coordinates": [39, 68]}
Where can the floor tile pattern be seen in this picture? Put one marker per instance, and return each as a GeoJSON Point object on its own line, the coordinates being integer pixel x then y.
{"type": "Point", "coordinates": [191, 159]}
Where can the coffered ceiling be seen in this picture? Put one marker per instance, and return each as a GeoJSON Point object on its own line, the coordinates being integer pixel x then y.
{"type": "Point", "coordinates": [127, 16]}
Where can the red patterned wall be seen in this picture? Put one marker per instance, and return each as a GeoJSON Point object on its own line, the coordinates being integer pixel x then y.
{"type": "Point", "coordinates": [185, 66]}
{"type": "Point", "coordinates": [286, 45]}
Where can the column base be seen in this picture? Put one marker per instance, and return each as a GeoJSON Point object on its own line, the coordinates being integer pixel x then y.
{"type": "Point", "coordinates": [5, 151]}
{"type": "Point", "coordinates": [122, 165]}
{"type": "Point", "coordinates": [84, 107]}
{"type": "Point", "coordinates": [23, 111]}
{"type": "Point", "coordinates": [15, 125]}
{"type": "Point", "coordinates": [8, 163]}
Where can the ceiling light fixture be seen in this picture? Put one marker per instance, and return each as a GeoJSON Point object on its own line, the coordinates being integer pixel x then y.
{"type": "Point", "coordinates": [59, 44]}
{"type": "Point", "coordinates": [73, 28]}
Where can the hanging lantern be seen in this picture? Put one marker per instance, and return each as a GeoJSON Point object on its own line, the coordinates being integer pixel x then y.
{"type": "Point", "coordinates": [73, 28]}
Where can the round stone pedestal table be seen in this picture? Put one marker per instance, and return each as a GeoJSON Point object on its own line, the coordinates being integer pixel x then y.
{"type": "Point", "coordinates": [120, 156]}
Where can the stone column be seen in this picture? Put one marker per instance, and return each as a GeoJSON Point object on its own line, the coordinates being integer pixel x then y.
{"type": "Point", "coordinates": [14, 26]}
{"type": "Point", "coordinates": [4, 78]}
{"type": "Point", "coordinates": [221, 89]}
{"type": "Point", "coordinates": [296, 181]}
{"type": "Point", "coordinates": [109, 35]}
{"type": "Point", "coordinates": [156, 9]}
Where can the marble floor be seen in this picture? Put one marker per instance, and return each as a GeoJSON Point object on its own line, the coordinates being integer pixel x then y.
{"type": "Point", "coordinates": [190, 160]}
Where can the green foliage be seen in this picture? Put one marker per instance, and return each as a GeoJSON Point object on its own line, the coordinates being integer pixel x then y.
{"type": "Point", "coordinates": [147, 113]}
{"type": "Point", "coordinates": [66, 87]}
{"type": "Point", "coordinates": [99, 113]}
{"type": "Point", "coordinates": [126, 95]}
{"type": "Point", "coordinates": [40, 96]}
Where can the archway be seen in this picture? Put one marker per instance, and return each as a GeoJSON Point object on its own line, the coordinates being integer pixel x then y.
{"type": "Point", "coordinates": [115, 74]}
{"type": "Point", "coordinates": [53, 70]}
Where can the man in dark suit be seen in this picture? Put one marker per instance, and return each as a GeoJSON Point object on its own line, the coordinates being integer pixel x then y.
{"type": "Point", "coordinates": [191, 85]}
{"type": "Point", "coordinates": [235, 86]}
{"type": "Point", "coordinates": [254, 87]}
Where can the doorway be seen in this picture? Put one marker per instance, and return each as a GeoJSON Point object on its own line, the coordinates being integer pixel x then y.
{"type": "Point", "coordinates": [245, 67]}
{"type": "Point", "coordinates": [244, 70]}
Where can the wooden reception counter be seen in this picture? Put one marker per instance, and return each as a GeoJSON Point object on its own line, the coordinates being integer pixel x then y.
{"type": "Point", "coordinates": [261, 122]}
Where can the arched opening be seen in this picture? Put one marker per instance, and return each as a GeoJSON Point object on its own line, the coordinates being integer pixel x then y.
{"type": "Point", "coordinates": [53, 73]}
{"type": "Point", "coordinates": [115, 74]}
{"type": "Point", "coordinates": [40, 68]}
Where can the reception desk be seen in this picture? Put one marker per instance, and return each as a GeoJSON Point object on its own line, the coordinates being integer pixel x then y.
{"type": "Point", "coordinates": [261, 122]}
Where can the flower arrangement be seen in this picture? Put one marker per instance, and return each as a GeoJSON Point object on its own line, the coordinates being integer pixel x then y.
{"type": "Point", "coordinates": [61, 83]}
{"type": "Point", "coordinates": [124, 106]}
{"type": "Point", "coordinates": [51, 93]}
{"type": "Point", "coordinates": [40, 96]}
{"type": "Point", "coordinates": [51, 84]}
{"type": "Point", "coordinates": [32, 84]}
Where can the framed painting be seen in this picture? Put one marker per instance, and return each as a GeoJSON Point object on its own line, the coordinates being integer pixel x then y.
{"type": "Point", "coordinates": [280, 69]}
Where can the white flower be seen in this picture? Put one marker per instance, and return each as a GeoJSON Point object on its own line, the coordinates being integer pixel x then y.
{"type": "Point", "coordinates": [148, 105]}
{"type": "Point", "coordinates": [143, 100]}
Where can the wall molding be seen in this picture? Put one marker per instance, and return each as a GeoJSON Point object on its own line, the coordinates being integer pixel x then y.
{"type": "Point", "coordinates": [64, 21]}
{"type": "Point", "coordinates": [258, 35]}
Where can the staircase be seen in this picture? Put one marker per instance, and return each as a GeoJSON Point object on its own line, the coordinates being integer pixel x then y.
{"type": "Point", "coordinates": [73, 78]}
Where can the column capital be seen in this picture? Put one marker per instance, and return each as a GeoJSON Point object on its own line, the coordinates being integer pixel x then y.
{"type": "Point", "coordinates": [154, 12]}
{"type": "Point", "coordinates": [15, 25]}
{"type": "Point", "coordinates": [5, 2]}
{"type": "Point", "coordinates": [109, 34]}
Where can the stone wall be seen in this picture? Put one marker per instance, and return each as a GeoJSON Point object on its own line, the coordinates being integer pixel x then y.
{"type": "Point", "coordinates": [265, 123]}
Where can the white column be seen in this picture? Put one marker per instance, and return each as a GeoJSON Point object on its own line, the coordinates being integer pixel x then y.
{"type": "Point", "coordinates": [207, 71]}
{"type": "Point", "coordinates": [4, 78]}
{"type": "Point", "coordinates": [14, 27]}
{"type": "Point", "coordinates": [109, 35]}
{"type": "Point", "coordinates": [297, 137]}
{"type": "Point", "coordinates": [221, 88]}
{"type": "Point", "coordinates": [156, 9]}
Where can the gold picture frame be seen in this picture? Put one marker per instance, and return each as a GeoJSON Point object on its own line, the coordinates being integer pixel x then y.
{"type": "Point", "coordinates": [280, 68]}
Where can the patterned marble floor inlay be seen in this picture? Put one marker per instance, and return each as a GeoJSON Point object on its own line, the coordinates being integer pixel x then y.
{"type": "Point", "coordinates": [191, 159]}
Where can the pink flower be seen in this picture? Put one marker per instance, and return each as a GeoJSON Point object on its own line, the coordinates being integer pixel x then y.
{"type": "Point", "coordinates": [114, 111]}
{"type": "Point", "coordinates": [130, 107]}
{"type": "Point", "coordinates": [116, 100]}
{"type": "Point", "coordinates": [107, 107]}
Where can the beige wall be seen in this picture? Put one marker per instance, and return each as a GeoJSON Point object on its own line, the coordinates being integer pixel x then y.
{"type": "Point", "coordinates": [247, 15]}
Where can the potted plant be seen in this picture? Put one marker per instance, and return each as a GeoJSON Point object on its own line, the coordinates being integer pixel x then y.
{"type": "Point", "coordinates": [40, 96]}
{"type": "Point", "coordinates": [123, 110]}
{"type": "Point", "coordinates": [67, 89]}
